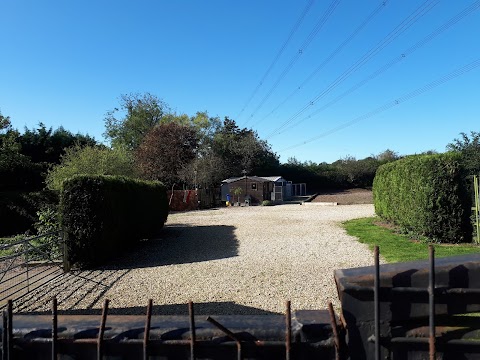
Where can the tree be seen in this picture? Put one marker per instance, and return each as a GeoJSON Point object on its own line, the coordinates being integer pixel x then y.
{"type": "Point", "coordinates": [139, 113]}
{"type": "Point", "coordinates": [48, 145]}
{"type": "Point", "coordinates": [469, 147]}
{"type": "Point", "coordinates": [90, 160]}
{"type": "Point", "coordinates": [17, 171]}
{"type": "Point", "coordinates": [206, 171]}
{"type": "Point", "coordinates": [166, 151]}
{"type": "Point", "coordinates": [242, 149]}
{"type": "Point", "coordinates": [387, 156]}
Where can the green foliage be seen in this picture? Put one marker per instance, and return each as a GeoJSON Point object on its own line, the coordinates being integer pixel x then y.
{"type": "Point", "coordinates": [395, 247]}
{"type": "Point", "coordinates": [469, 148]}
{"type": "Point", "coordinates": [242, 149]}
{"type": "Point", "coordinates": [139, 113]}
{"type": "Point", "coordinates": [102, 216]}
{"type": "Point", "coordinates": [424, 195]}
{"type": "Point", "coordinates": [44, 145]}
{"type": "Point", "coordinates": [90, 160]}
{"type": "Point", "coordinates": [267, 203]}
{"type": "Point", "coordinates": [47, 225]}
{"type": "Point", "coordinates": [166, 151]}
{"type": "Point", "coordinates": [238, 191]}
{"type": "Point", "coordinates": [20, 209]}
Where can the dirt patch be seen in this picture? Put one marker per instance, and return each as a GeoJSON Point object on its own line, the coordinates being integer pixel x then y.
{"type": "Point", "coordinates": [346, 197]}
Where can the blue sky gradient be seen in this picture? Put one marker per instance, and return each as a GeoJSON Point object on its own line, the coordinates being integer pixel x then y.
{"type": "Point", "coordinates": [67, 63]}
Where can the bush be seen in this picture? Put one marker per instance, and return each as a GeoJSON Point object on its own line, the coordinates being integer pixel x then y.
{"type": "Point", "coordinates": [267, 203]}
{"type": "Point", "coordinates": [425, 195]}
{"type": "Point", "coordinates": [49, 226]}
{"type": "Point", "coordinates": [102, 216]}
{"type": "Point", "coordinates": [18, 210]}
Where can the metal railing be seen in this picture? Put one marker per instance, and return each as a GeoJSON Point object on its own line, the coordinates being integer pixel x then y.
{"type": "Point", "coordinates": [437, 336]}
{"type": "Point", "coordinates": [28, 264]}
{"type": "Point", "coordinates": [162, 336]}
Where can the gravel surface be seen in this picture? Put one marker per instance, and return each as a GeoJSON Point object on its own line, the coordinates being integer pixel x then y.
{"type": "Point", "coordinates": [346, 197]}
{"type": "Point", "coordinates": [228, 261]}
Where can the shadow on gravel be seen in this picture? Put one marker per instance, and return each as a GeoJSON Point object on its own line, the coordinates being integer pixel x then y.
{"type": "Point", "coordinates": [180, 245]}
{"type": "Point", "coordinates": [210, 308]}
{"type": "Point", "coordinates": [76, 287]}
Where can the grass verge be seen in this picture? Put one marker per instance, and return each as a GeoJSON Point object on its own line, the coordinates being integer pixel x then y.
{"type": "Point", "coordinates": [396, 247]}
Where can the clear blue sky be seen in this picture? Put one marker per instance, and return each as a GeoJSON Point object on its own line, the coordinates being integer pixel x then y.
{"type": "Point", "coordinates": [67, 62]}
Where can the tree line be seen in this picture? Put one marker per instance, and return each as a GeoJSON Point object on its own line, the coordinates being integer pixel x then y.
{"type": "Point", "coordinates": [148, 140]}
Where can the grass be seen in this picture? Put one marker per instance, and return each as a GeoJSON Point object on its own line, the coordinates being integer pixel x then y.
{"type": "Point", "coordinates": [395, 247]}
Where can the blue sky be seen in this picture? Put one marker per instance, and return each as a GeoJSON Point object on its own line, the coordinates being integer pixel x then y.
{"type": "Point", "coordinates": [66, 63]}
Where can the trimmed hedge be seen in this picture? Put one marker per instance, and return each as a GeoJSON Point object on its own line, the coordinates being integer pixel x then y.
{"type": "Point", "coordinates": [101, 216]}
{"type": "Point", "coordinates": [425, 195]}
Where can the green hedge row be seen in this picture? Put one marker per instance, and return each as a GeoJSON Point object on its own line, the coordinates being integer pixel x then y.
{"type": "Point", "coordinates": [101, 216]}
{"type": "Point", "coordinates": [425, 195]}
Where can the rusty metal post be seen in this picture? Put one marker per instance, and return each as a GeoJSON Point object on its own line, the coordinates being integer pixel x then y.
{"type": "Point", "coordinates": [10, 329]}
{"type": "Point", "coordinates": [4, 336]}
{"type": "Point", "coordinates": [101, 331]}
{"type": "Point", "coordinates": [288, 334]}
{"type": "Point", "coordinates": [336, 338]}
{"type": "Point", "coordinates": [146, 334]}
{"type": "Point", "coordinates": [376, 300]}
{"type": "Point", "coordinates": [431, 303]}
{"type": "Point", "coordinates": [54, 328]}
{"type": "Point", "coordinates": [193, 336]}
{"type": "Point", "coordinates": [230, 334]}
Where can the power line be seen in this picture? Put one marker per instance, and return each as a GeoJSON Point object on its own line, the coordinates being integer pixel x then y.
{"type": "Point", "coordinates": [329, 58]}
{"type": "Point", "coordinates": [400, 29]}
{"type": "Point", "coordinates": [279, 53]}
{"type": "Point", "coordinates": [463, 70]}
{"type": "Point", "coordinates": [454, 20]}
{"type": "Point", "coordinates": [303, 47]}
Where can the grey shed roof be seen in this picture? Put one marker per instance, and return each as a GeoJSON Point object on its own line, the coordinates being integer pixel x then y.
{"type": "Point", "coordinates": [273, 178]}
{"type": "Point", "coordinates": [254, 178]}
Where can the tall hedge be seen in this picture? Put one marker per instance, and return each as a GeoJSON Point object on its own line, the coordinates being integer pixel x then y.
{"type": "Point", "coordinates": [102, 216]}
{"type": "Point", "coordinates": [425, 195]}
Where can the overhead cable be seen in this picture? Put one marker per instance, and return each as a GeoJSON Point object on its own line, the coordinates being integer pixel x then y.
{"type": "Point", "coordinates": [303, 47]}
{"type": "Point", "coordinates": [461, 71]}
{"type": "Point", "coordinates": [329, 58]}
{"type": "Point", "coordinates": [454, 20]}
{"type": "Point", "coordinates": [400, 29]}
{"type": "Point", "coordinates": [279, 53]}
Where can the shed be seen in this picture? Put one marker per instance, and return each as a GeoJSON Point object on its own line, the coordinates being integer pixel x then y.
{"type": "Point", "coordinates": [256, 188]}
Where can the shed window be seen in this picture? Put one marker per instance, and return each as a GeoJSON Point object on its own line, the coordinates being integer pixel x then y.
{"type": "Point", "coordinates": [254, 186]}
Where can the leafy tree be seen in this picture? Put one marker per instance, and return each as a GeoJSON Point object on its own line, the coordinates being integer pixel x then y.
{"type": "Point", "coordinates": [127, 125]}
{"type": "Point", "coordinates": [90, 160]}
{"type": "Point", "coordinates": [17, 172]}
{"type": "Point", "coordinates": [242, 149]}
{"type": "Point", "coordinates": [206, 171]}
{"type": "Point", "coordinates": [469, 147]}
{"type": "Point", "coordinates": [166, 151]}
{"type": "Point", "coordinates": [387, 156]}
{"type": "Point", "coordinates": [47, 145]}
{"type": "Point", "coordinates": [5, 123]}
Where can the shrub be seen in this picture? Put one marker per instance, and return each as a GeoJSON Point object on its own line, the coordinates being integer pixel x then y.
{"type": "Point", "coordinates": [102, 216]}
{"type": "Point", "coordinates": [424, 195]}
{"type": "Point", "coordinates": [18, 210]}
{"type": "Point", "coordinates": [49, 226]}
{"type": "Point", "coordinates": [267, 203]}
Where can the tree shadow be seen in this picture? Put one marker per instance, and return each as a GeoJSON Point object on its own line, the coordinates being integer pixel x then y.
{"type": "Point", "coordinates": [75, 288]}
{"type": "Point", "coordinates": [208, 308]}
{"type": "Point", "coordinates": [180, 244]}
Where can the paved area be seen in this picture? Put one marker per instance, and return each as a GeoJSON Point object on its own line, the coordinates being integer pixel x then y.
{"type": "Point", "coordinates": [228, 261]}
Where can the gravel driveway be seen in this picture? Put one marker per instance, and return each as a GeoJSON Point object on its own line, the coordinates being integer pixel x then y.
{"type": "Point", "coordinates": [228, 261]}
